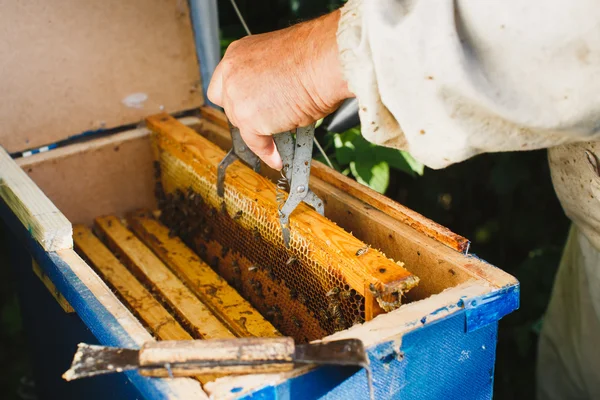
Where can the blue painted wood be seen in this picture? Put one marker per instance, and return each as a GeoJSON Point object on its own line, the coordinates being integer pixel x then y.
{"type": "Point", "coordinates": [53, 336]}
{"type": "Point", "coordinates": [438, 361]}
{"type": "Point", "coordinates": [490, 307]}
{"type": "Point", "coordinates": [93, 322]}
{"type": "Point", "coordinates": [450, 358]}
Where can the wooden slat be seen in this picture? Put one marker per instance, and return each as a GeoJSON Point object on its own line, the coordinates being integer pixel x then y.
{"type": "Point", "coordinates": [367, 195]}
{"type": "Point", "coordinates": [130, 290]}
{"type": "Point", "coordinates": [149, 269]}
{"type": "Point", "coordinates": [110, 321]}
{"type": "Point", "coordinates": [46, 224]}
{"type": "Point", "coordinates": [133, 293]}
{"type": "Point", "coordinates": [327, 244]}
{"type": "Point", "coordinates": [223, 300]}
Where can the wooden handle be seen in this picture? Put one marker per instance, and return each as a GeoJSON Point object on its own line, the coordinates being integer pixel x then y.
{"type": "Point", "coordinates": [237, 356]}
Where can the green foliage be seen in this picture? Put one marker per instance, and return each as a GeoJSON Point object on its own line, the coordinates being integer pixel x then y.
{"type": "Point", "coordinates": [368, 163]}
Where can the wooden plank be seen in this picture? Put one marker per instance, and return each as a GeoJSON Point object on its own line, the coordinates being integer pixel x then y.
{"type": "Point", "coordinates": [326, 243]}
{"type": "Point", "coordinates": [110, 321]}
{"type": "Point", "coordinates": [64, 304]}
{"type": "Point", "coordinates": [434, 262]}
{"type": "Point", "coordinates": [150, 270]}
{"type": "Point", "coordinates": [223, 300]}
{"type": "Point", "coordinates": [46, 224]}
{"type": "Point", "coordinates": [366, 194]}
{"type": "Point", "coordinates": [139, 300]}
{"type": "Point", "coordinates": [96, 64]}
{"type": "Point", "coordinates": [390, 207]}
{"type": "Point", "coordinates": [112, 174]}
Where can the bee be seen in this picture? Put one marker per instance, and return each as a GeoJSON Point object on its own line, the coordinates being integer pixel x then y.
{"type": "Point", "coordinates": [253, 268]}
{"type": "Point", "coordinates": [224, 251]}
{"type": "Point", "coordinates": [223, 208]}
{"type": "Point", "coordinates": [291, 261]}
{"type": "Point", "coordinates": [346, 294]}
{"type": "Point", "coordinates": [324, 315]}
{"type": "Point", "coordinates": [201, 250]}
{"type": "Point", "coordinates": [302, 299]}
{"type": "Point", "coordinates": [237, 215]}
{"type": "Point", "coordinates": [214, 262]}
{"type": "Point", "coordinates": [293, 294]}
{"type": "Point", "coordinates": [256, 234]}
{"type": "Point", "coordinates": [334, 310]}
{"type": "Point", "coordinates": [206, 231]}
{"type": "Point", "coordinates": [362, 250]}
{"type": "Point", "coordinates": [270, 273]}
{"type": "Point", "coordinates": [296, 322]}
{"type": "Point", "coordinates": [357, 321]}
{"type": "Point", "coordinates": [340, 324]}
{"type": "Point", "coordinates": [212, 212]}
{"type": "Point", "coordinates": [274, 312]}
{"type": "Point", "coordinates": [156, 165]}
{"type": "Point", "coordinates": [374, 290]}
{"type": "Point", "coordinates": [333, 292]}
{"type": "Point", "coordinates": [235, 266]}
{"type": "Point", "coordinates": [190, 194]}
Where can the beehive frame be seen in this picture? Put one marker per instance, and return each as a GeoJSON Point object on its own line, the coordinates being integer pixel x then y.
{"type": "Point", "coordinates": [461, 278]}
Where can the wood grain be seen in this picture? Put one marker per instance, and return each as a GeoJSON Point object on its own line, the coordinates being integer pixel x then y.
{"type": "Point", "coordinates": [436, 263]}
{"type": "Point", "coordinates": [149, 310]}
{"type": "Point", "coordinates": [69, 66]}
{"type": "Point", "coordinates": [150, 270]}
{"type": "Point", "coordinates": [327, 244]}
{"type": "Point", "coordinates": [223, 300]}
{"type": "Point", "coordinates": [46, 224]}
{"type": "Point", "coordinates": [126, 329]}
{"type": "Point", "coordinates": [139, 300]}
{"type": "Point", "coordinates": [219, 356]}
{"type": "Point", "coordinates": [363, 193]}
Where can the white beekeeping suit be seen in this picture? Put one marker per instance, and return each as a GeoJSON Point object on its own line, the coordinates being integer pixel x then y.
{"type": "Point", "coordinates": [447, 80]}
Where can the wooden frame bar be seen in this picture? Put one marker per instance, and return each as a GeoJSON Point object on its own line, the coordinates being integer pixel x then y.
{"type": "Point", "coordinates": [326, 243]}
{"type": "Point", "coordinates": [149, 269]}
{"type": "Point", "coordinates": [224, 301]}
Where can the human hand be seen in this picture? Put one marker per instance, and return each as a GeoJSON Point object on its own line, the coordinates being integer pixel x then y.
{"type": "Point", "coordinates": [278, 81]}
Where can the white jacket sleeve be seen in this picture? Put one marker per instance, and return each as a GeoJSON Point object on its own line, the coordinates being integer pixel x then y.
{"type": "Point", "coordinates": [449, 79]}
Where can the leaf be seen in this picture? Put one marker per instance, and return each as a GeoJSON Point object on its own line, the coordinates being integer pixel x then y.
{"type": "Point", "coordinates": [376, 175]}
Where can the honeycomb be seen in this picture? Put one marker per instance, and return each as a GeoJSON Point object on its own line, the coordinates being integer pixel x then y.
{"type": "Point", "coordinates": [300, 291]}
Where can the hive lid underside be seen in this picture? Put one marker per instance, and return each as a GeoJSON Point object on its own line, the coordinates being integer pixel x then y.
{"type": "Point", "coordinates": [72, 66]}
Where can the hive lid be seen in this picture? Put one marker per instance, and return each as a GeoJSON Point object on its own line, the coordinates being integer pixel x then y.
{"type": "Point", "coordinates": [71, 66]}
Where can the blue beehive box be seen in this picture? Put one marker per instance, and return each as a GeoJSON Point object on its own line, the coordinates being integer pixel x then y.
{"type": "Point", "coordinates": [92, 70]}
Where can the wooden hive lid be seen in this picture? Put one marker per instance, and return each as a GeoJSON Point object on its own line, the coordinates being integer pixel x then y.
{"type": "Point", "coordinates": [71, 66]}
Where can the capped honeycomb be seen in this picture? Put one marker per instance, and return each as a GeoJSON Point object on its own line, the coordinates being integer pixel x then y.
{"type": "Point", "coordinates": [319, 285]}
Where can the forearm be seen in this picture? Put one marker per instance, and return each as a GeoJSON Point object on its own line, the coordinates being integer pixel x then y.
{"type": "Point", "coordinates": [447, 80]}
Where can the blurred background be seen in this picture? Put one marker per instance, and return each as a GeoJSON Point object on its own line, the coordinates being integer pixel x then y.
{"type": "Point", "coordinates": [504, 203]}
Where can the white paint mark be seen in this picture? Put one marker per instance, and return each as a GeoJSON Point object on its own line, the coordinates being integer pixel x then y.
{"type": "Point", "coordinates": [135, 100]}
{"type": "Point", "coordinates": [483, 347]}
{"type": "Point", "coordinates": [464, 355]}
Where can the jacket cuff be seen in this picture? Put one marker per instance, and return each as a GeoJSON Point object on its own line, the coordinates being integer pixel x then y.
{"type": "Point", "coordinates": [378, 125]}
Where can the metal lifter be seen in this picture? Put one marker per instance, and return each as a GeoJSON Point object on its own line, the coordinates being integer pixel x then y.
{"type": "Point", "coordinates": [296, 155]}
